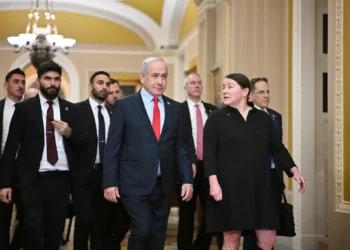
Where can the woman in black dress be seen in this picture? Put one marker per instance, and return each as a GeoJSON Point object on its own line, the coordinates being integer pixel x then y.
{"type": "Point", "coordinates": [238, 143]}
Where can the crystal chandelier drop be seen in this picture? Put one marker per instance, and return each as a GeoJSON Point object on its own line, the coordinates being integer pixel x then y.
{"type": "Point", "coordinates": [42, 42]}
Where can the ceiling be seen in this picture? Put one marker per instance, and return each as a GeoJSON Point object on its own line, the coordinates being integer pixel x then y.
{"type": "Point", "coordinates": [152, 8]}
{"type": "Point", "coordinates": [145, 23]}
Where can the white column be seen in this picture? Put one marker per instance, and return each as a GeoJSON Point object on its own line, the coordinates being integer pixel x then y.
{"type": "Point", "coordinates": [179, 77]}
{"type": "Point", "coordinates": [304, 120]}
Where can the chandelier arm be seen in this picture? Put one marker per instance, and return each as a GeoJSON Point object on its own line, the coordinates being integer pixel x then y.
{"type": "Point", "coordinates": [41, 43]}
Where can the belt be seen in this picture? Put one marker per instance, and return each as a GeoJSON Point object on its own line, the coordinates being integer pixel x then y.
{"type": "Point", "coordinates": [98, 166]}
{"type": "Point", "coordinates": [53, 173]}
{"type": "Point", "coordinates": [199, 162]}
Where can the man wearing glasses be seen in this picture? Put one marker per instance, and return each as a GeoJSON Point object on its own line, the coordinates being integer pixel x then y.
{"type": "Point", "coordinates": [260, 96]}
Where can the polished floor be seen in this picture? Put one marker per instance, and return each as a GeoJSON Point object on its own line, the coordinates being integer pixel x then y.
{"type": "Point", "coordinates": [282, 243]}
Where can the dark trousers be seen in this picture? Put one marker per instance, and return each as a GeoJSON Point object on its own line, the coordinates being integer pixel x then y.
{"type": "Point", "coordinates": [118, 224]}
{"type": "Point", "coordinates": [5, 223]}
{"type": "Point", "coordinates": [149, 219]}
{"type": "Point", "coordinates": [91, 210]}
{"type": "Point", "coordinates": [44, 205]}
{"type": "Point", "coordinates": [250, 240]}
{"type": "Point", "coordinates": [187, 213]}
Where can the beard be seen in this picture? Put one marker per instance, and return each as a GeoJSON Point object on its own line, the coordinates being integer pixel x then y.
{"type": "Point", "coordinates": [48, 93]}
{"type": "Point", "coordinates": [102, 95]}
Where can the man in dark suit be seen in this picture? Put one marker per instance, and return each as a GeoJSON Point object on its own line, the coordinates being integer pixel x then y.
{"type": "Point", "coordinates": [143, 153]}
{"type": "Point", "coordinates": [260, 96]}
{"type": "Point", "coordinates": [15, 85]}
{"type": "Point", "coordinates": [90, 206]}
{"type": "Point", "coordinates": [118, 218]}
{"type": "Point", "coordinates": [39, 151]}
{"type": "Point", "coordinates": [194, 115]}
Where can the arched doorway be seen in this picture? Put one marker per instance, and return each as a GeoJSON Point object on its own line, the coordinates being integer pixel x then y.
{"type": "Point", "coordinates": [70, 83]}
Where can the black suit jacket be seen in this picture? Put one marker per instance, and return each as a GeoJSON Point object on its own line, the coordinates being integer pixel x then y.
{"type": "Point", "coordinates": [85, 160]}
{"type": "Point", "coordinates": [26, 139]}
{"type": "Point", "coordinates": [132, 153]}
{"type": "Point", "coordinates": [277, 118]}
{"type": "Point", "coordinates": [2, 106]}
{"type": "Point", "coordinates": [187, 127]}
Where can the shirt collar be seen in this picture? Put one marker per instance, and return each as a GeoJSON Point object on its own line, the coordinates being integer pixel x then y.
{"type": "Point", "coordinates": [43, 100]}
{"type": "Point", "coordinates": [147, 97]}
{"type": "Point", "coordinates": [94, 104]}
{"type": "Point", "coordinates": [9, 102]}
{"type": "Point", "coordinates": [257, 107]}
{"type": "Point", "coordinates": [192, 103]}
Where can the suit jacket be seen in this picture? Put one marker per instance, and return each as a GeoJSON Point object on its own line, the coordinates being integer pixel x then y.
{"type": "Point", "coordinates": [132, 152]}
{"type": "Point", "coordinates": [277, 118]}
{"type": "Point", "coordinates": [85, 160]}
{"type": "Point", "coordinates": [187, 127]}
{"type": "Point", "coordinates": [2, 106]}
{"type": "Point", "coordinates": [26, 139]}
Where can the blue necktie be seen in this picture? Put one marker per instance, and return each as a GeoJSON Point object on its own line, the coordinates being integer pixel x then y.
{"type": "Point", "coordinates": [101, 133]}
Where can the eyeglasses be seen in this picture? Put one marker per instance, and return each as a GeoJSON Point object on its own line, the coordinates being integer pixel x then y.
{"type": "Point", "coordinates": [262, 92]}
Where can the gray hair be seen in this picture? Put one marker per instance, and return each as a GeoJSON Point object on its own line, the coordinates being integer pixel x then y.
{"type": "Point", "coordinates": [31, 92]}
{"type": "Point", "coordinates": [187, 78]}
{"type": "Point", "coordinates": [148, 61]}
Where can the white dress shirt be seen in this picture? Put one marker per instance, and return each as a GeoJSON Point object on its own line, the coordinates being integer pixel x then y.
{"type": "Point", "coordinates": [9, 109]}
{"type": "Point", "coordinates": [104, 111]}
{"type": "Point", "coordinates": [147, 100]}
{"type": "Point", "coordinates": [62, 163]}
{"type": "Point", "coordinates": [193, 115]}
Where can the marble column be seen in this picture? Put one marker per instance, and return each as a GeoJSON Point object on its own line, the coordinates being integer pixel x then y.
{"type": "Point", "coordinates": [206, 43]}
{"type": "Point", "coordinates": [304, 121]}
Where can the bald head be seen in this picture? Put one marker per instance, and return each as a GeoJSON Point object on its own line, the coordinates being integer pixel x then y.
{"type": "Point", "coordinates": [31, 92]}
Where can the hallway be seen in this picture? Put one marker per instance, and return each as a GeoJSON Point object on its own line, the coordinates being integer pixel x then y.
{"type": "Point", "coordinates": [282, 243]}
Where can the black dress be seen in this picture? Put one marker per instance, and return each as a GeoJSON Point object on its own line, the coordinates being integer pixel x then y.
{"type": "Point", "coordinates": [238, 152]}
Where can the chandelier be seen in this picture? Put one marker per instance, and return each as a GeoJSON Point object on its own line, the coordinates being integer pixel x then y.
{"type": "Point", "coordinates": [41, 42]}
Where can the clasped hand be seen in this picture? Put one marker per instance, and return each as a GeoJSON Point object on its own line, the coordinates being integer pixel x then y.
{"type": "Point", "coordinates": [6, 195]}
{"type": "Point", "coordinates": [62, 127]}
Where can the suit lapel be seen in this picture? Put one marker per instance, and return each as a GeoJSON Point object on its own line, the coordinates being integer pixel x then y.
{"type": "Point", "coordinates": [90, 117]}
{"type": "Point", "coordinates": [167, 115]}
{"type": "Point", "coordinates": [207, 108]}
{"type": "Point", "coordinates": [63, 110]}
{"type": "Point", "coordinates": [2, 106]}
{"type": "Point", "coordinates": [141, 110]}
{"type": "Point", "coordinates": [272, 115]}
{"type": "Point", "coordinates": [39, 116]}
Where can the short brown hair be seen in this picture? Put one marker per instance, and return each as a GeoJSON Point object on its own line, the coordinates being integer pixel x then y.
{"type": "Point", "coordinates": [253, 81]}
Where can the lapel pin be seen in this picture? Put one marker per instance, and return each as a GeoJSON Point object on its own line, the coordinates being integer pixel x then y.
{"type": "Point", "coordinates": [67, 108]}
{"type": "Point", "coordinates": [168, 103]}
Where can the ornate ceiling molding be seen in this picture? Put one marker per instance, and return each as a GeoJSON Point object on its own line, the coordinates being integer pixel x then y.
{"type": "Point", "coordinates": [113, 11]}
{"type": "Point", "coordinates": [173, 13]}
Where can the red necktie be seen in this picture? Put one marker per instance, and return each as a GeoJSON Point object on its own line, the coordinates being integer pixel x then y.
{"type": "Point", "coordinates": [156, 118]}
{"type": "Point", "coordinates": [52, 155]}
{"type": "Point", "coordinates": [199, 133]}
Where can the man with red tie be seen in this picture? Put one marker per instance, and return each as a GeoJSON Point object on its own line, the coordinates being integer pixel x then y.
{"type": "Point", "coordinates": [39, 151]}
{"type": "Point", "coordinates": [143, 152]}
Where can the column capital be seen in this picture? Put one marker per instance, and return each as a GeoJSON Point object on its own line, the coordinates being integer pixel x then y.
{"type": "Point", "coordinates": [229, 2]}
{"type": "Point", "coordinates": [201, 3]}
